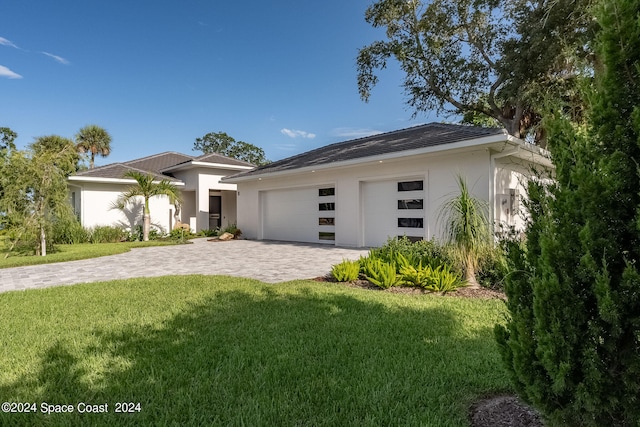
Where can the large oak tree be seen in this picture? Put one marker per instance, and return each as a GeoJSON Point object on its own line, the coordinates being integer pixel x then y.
{"type": "Point", "coordinates": [498, 59]}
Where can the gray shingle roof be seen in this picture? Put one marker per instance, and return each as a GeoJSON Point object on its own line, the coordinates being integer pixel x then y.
{"type": "Point", "coordinates": [218, 158]}
{"type": "Point", "coordinates": [117, 171]}
{"type": "Point", "coordinates": [155, 164]}
{"type": "Point", "coordinates": [417, 137]}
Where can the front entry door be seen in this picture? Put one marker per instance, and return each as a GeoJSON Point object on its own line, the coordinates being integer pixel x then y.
{"type": "Point", "coordinates": [215, 212]}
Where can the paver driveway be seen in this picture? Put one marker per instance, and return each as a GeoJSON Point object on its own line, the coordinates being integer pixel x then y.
{"type": "Point", "coordinates": [267, 261]}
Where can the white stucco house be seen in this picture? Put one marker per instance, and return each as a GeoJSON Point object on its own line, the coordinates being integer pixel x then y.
{"type": "Point", "coordinates": [360, 192]}
{"type": "Point", "coordinates": [207, 201]}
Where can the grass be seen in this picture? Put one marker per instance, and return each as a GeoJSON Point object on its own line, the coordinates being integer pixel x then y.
{"type": "Point", "coordinates": [202, 350]}
{"type": "Point", "coordinates": [76, 252]}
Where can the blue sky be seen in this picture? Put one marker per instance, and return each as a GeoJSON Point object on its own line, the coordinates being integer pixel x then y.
{"type": "Point", "coordinates": [279, 74]}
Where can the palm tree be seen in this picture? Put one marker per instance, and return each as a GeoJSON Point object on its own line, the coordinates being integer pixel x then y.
{"type": "Point", "coordinates": [147, 188]}
{"type": "Point", "coordinates": [467, 227]}
{"type": "Point", "coordinates": [95, 140]}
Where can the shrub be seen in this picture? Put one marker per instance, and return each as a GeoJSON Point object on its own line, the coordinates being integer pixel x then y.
{"type": "Point", "coordinates": [107, 234]}
{"type": "Point", "coordinates": [416, 276]}
{"type": "Point", "coordinates": [443, 280]}
{"type": "Point", "coordinates": [346, 271]}
{"type": "Point", "coordinates": [427, 252]}
{"type": "Point", "coordinates": [207, 232]}
{"type": "Point", "coordinates": [68, 230]}
{"type": "Point", "coordinates": [382, 274]}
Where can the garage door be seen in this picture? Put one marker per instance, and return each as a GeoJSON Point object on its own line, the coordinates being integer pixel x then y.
{"type": "Point", "coordinates": [299, 215]}
{"type": "Point", "coordinates": [391, 209]}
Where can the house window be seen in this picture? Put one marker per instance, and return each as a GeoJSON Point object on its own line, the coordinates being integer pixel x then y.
{"type": "Point", "coordinates": [324, 235]}
{"type": "Point", "coordinates": [326, 221]}
{"type": "Point", "coordinates": [411, 204]}
{"type": "Point", "coordinates": [327, 206]}
{"type": "Point", "coordinates": [410, 222]}
{"type": "Point", "coordinates": [322, 192]}
{"type": "Point", "coordinates": [410, 186]}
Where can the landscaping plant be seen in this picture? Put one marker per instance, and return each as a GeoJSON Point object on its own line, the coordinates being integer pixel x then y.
{"type": "Point", "coordinates": [443, 280]}
{"type": "Point", "coordinates": [383, 274]}
{"type": "Point", "coordinates": [346, 271]}
{"type": "Point", "coordinates": [572, 340]}
{"type": "Point", "coordinates": [465, 222]}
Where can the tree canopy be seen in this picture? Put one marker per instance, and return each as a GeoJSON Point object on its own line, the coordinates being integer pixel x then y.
{"type": "Point", "coordinates": [221, 143]}
{"type": "Point", "coordinates": [35, 190]}
{"type": "Point", "coordinates": [496, 58]}
{"type": "Point", "coordinates": [94, 140]}
{"type": "Point", "coordinates": [8, 136]}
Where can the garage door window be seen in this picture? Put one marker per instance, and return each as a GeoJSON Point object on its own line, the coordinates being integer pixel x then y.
{"type": "Point", "coordinates": [324, 192]}
{"type": "Point", "coordinates": [326, 221]}
{"type": "Point", "coordinates": [410, 222]}
{"type": "Point", "coordinates": [411, 204]}
{"type": "Point", "coordinates": [411, 186]}
{"type": "Point", "coordinates": [327, 206]}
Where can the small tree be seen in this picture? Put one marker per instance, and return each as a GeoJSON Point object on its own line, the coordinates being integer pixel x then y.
{"type": "Point", "coordinates": [466, 226]}
{"type": "Point", "coordinates": [572, 341]}
{"type": "Point", "coordinates": [147, 187]}
{"type": "Point", "coordinates": [94, 140]}
{"type": "Point", "coordinates": [35, 190]}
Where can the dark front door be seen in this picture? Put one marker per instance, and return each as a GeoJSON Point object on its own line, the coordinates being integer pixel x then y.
{"type": "Point", "coordinates": [215, 212]}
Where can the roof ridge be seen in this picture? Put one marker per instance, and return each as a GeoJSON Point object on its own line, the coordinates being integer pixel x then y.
{"type": "Point", "coordinates": [147, 172]}
{"type": "Point", "coordinates": [222, 155]}
{"type": "Point", "coordinates": [164, 153]}
{"type": "Point", "coordinates": [110, 165]}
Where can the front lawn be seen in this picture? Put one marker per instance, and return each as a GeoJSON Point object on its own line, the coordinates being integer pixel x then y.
{"type": "Point", "coordinates": [75, 252]}
{"type": "Point", "coordinates": [196, 350]}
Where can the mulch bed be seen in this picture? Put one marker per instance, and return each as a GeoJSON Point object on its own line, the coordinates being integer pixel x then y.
{"type": "Point", "coordinates": [491, 411]}
{"type": "Point", "coordinates": [506, 410]}
{"type": "Point", "coordinates": [460, 293]}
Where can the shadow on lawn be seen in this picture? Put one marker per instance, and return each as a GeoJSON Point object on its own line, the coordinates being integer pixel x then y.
{"type": "Point", "coordinates": [273, 359]}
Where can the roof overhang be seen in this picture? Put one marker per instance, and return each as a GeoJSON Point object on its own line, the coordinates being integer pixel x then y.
{"type": "Point", "coordinates": [194, 164]}
{"type": "Point", "coordinates": [495, 143]}
{"type": "Point", "coordinates": [93, 179]}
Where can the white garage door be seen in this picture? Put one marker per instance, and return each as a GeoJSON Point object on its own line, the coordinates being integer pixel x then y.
{"type": "Point", "coordinates": [391, 209]}
{"type": "Point", "coordinates": [298, 215]}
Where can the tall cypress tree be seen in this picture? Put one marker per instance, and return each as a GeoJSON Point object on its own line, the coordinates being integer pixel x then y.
{"type": "Point", "coordinates": [572, 342]}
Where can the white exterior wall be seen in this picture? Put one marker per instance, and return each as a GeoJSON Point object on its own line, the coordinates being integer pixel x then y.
{"type": "Point", "coordinates": [202, 180]}
{"type": "Point", "coordinates": [96, 200]}
{"type": "Point", "coordinates": [438, 170]}
{"type": "Point", "coordinates": [511, 174]}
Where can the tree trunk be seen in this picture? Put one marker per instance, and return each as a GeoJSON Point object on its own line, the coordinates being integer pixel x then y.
{"type": "Point", "coordinates": [470, 276]}
{"type": "Point", "coordinates": [146, 226]}
{"type": "Point", "coordinates": [43, 242]}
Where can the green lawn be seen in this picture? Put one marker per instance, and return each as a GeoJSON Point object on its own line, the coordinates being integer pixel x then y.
{"type": "Point", "coordinates": [196, 350]}
{"type": "Point", "coordinates": [76, 252]}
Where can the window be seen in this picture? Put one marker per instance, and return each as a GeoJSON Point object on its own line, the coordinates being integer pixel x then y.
{"type": "Point", "coordinates": [326, 236]}
{"type": "Point", "coordinates": [411, 204]}
{"type": "Point", "coordinates": [322, 192]}
{"type": "Point", "coordinates": [410, 222]}
{"type": "Point", "coordinates": [410, 186]}
{"type": "Point", "coordinates": [326, 221]}
{"type": "Point", "coordinates": [327, 206]}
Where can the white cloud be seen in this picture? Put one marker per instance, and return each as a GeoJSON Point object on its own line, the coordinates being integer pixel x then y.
{"type": "Point", "coordinates": [352, 133]}
{"type": "Point", "coordinates": [6, 42]}
{"type": "Point", "coordinates": [292, 133]}
{"type": "Point", "coordinates": [5, 72]}
{"type": "Point", "coordinates": [56, 57]}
